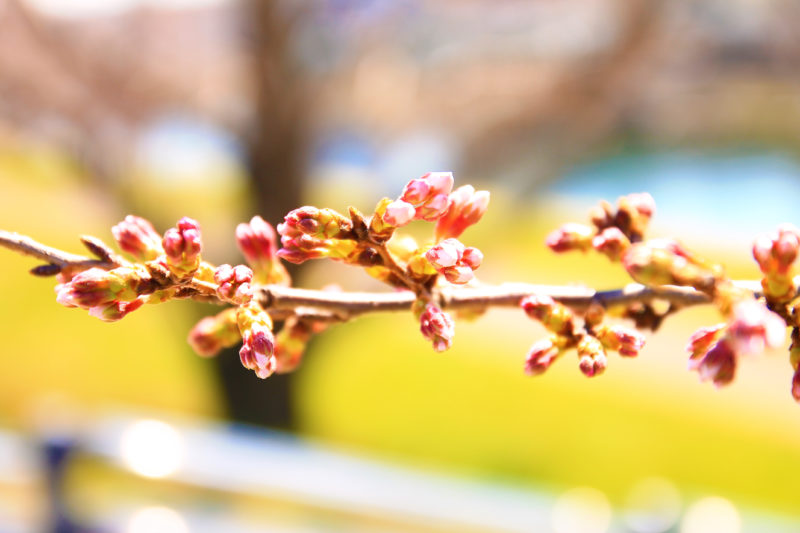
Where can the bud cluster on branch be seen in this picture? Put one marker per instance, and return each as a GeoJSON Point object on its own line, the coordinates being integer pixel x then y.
{"type": "Point", "coordinates": [273, 321]}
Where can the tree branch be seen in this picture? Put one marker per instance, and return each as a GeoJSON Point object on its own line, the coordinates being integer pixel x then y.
{"type": "Point", "coordinates": [329, 306]}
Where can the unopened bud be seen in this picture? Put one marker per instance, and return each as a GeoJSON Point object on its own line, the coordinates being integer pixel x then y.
{"type": "Point", "coordinates": [611, 242]}
{"type": "Point", "coordinates": [592, 358]}
{"type": "Point", "coordinates": [465, 208]}
{"type": "Point", "coordinates": [182, 245]}
{"type": "Point", "coordinates": [652, 264]}
{"type": "Point", "coordinates": [796, 385]}
{"type": "Point", "coordinates": [454, 261]}
{"type": "Point", "coordinates": [213, 333]}
{"type": "Point", "coordinates": [542, 354]}
{"type": "Point", "coordinates": [97, 287]}
{"type": "Point", "coordinates": [718, 364]}
{"type": "Point", "coordinates": [257, 352]}
{"type": "Point", "coordinates": [429, 195]}
{"type": "Point", "coordinates": [570, 237]}
{"type": "Point", "coordinates": [556, 317]}
{"type": "Point", "coordinates": [138, 237]}
{"type": "Point", "coordinates": [258, 243]}
{"type": "Point", "coordinates": [116, 310]}
{"type": "Point", "coordinates": [234, 283]}
{"type": "Point", "coordinates": [700, 342]}
{"type": "Point", "coordinates": [626, 341]}
{"type": "Point", "coordinates": [438, 327]}
{"type": "Point", "coordinates": [399, 213]}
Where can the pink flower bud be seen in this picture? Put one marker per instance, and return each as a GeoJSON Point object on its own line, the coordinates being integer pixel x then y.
{"type": "Point", "coordinates": [611, 242]}
{"type": "Point", "coordinates": [659, 262]}
{"type": "Point", "coordinates": [754, 327]}
{"type": "Point", "coordinates": [570, 237]}
{"type": "Point", "coordinates": [556, 317]}
{"type": "Point", "coordinates": [592, 358]}
{"type": "Point", "coordinates": [213, 333]}
{"type": "Point", "coordinates": [472, 257]}
{"type": "Point", "coordinates": [116, 310]}
{"type": "Point", "coordinates": [796, 385]}
{"type": "Point", "coordinates": [438, 327]}
{"type": "Point", "coordinates": [138, 237]}
{"type": "Point", "coordinates": [718, 364]}
{"type": "Point", "coordinates": [626, 341]}
{"type": "Point", "coordinates": [445, 254]}
{"type": "Point", "coordinates": [399, 213]}
{"type": "Point", "coordinates": [182, 245]}
{"type": "Point", "coordinates": [257, 352]}
{"type": "Point", "coordinates": [465, 208]}
{"type": "Point", "coordinates": [98, 287]}
{"type": "Point", "coordinates": [458, 275]}
{"type": "Point", "coordinates": [776, 252]}
{"type": "Point", "coordinates": [542, 354]}
{"type": "Point", "coordinates": [258, 243]}
{"type": "Point", "coordinates": [429, 195]}
{"type": "Point", "coordinates": [234, 283]}
{"type": "Point", "coordinates": [700, 342]}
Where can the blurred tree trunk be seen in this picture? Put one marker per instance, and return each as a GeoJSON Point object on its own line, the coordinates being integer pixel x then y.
{"type": "Point", "coordinates": [276, 154]}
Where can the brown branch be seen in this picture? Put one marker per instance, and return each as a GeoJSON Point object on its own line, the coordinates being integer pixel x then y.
{"type": "Point", "coordinates": [329, 306]}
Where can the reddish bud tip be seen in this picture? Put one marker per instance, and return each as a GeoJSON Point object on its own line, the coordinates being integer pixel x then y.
{"type": "Point", "coordinates": [570, 237]}
{"type": "Point", "coordinates": [542, 354]}
{"type": "Point", "coordinates": [438, 327]}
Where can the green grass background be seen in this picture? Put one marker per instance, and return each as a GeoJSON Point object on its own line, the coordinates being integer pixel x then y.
{"type": "Point", "coordinates": [374, 386]}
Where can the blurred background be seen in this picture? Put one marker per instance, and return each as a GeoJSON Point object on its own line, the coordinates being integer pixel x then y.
{"type": "Point", "coordinates": [222, 109]}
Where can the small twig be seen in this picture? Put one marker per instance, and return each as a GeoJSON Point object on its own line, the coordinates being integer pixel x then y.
{"type": "Point", "coordinates": [27, 246]}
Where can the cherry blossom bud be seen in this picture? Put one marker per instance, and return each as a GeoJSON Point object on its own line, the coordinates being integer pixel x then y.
{"type": "Point", "coordinates": [258, 243]}
{"type": "Point", "coordinates": [554, 316]}
{"type": "Point", "coordinates": [97, 287]}
{"type": "Point", "coordinates": [542, 354]}
{"type": "Point", "coordinates": [776, 252]}
{"type": "Point", "coordinates": [592, 358]}
{"type": "Point", "coordinates": [399, 213]}
{"type": "Point", "coordinates": [660, 263]}
{"type": "Point", "coordinates": [626, 341]}
{"type": "Point", "coordinates": [796, 385]}
{"type": "Point", "coordinates": [472, 257]}
{"type": "Point", "coordinates": [465, 207]}
{"type": "Point", "coordinates": [718, 364]}
{"type": "Point", "coordinates": [775, 255]}
{"type": "Point", "coordinates": [234, 283]}
{"type": "Point", "coordinates": [257, 352]}
{"type": "Point", "coordinates": [570, 237]}
{"type": "Point", "coordinates": [429, 195]}
{"type": "Point", "coordinates": [138, 237]}
{"type": "Point", "coordinates": [115, 310]}
{"type": "Point", "coordinates": [700, 342]}
{"type": "Point", "coordinates": [454, 261]}
{"type": "Point", "coordinates": [183, 245]}
{"type": "Point", "coordinates": [213, 333]}
{"type": "Point", "coordinates": [611, 242]}
{"type": "Point", "coordinates": [445, 254]}
{"type": "Point", "coordinates": [310, 233]}
{"type": "Point", "coordinates": [437, 326]}
{"type": "Point", "coordinates": [754, 327]}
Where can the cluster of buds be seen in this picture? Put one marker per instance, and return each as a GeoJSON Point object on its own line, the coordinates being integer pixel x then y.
{"type": "Point", "coordinates": [454, 261]}
{"type": "Point", "coordinates": [258, 344]}
{"type": "Point", "coordinates": [614, 229]}
{"type": "Point", "coordinates": [775, 254]}
{"type": "Point", "coordinates": [591, 341]}
{"type": "Point", "coordinates": [437, 326]}
{"type": "Point", "coordinates": [714, 351]}
{"type": "Point", "coordinates": [182, 246]}
{"type": "Point", "coordinates": [424, 198]}
{"type": "Point", "coordinates": [430, 198]}
{"type": "Point", "coordinates": [258, 243]}
{"type": "Point", "coordinates": [310, 233]}
{"type": "Point", "coordinates": [233, 283]}
{"type": "Point", "coordinates": [107, 294]}
{"type": "Point", "coordinates": [138, 237]}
